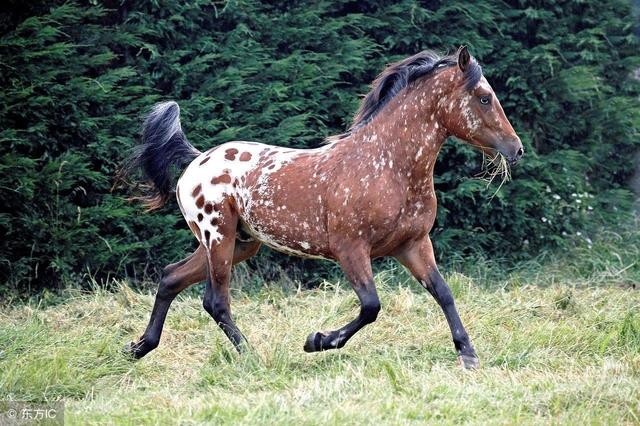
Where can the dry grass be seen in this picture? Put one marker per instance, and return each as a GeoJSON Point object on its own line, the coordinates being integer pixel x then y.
{"type": "Point", "coordinates": [495, 167]}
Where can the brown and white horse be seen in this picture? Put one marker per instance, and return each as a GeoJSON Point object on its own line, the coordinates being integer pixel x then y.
{"type": "Point", "coordinates": [365, 194]}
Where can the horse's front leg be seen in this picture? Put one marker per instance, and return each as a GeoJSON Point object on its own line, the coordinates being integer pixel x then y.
{"type": "Point", "coordinates": [355, 262]}
{"type": "Point", "coordinates": [418, 257]}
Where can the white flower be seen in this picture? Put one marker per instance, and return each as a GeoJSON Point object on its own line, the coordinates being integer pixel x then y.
{"type": "Point", "coordinates": [556, 196]}
{"type": "Point", "coordinates": [543, 219]}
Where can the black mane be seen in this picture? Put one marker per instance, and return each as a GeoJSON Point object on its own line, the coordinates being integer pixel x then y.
{"type": "Point", "coordinates": [400, 74]}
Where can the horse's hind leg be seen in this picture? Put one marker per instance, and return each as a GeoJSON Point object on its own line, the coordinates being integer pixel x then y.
{"type": "Point", "coordinates": [176, 277]}
{"type": "Point", "coordinates": [216, 300]}
{"type": "Point", "coordinates": [173, 266]}
{"type": "Point", "coordinates": [244, 250]}
{"type": "Point", "coordinates": [356, 264]}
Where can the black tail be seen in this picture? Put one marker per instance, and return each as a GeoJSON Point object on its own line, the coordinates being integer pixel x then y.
{"type": "Point", "coordinates": [164, 146]}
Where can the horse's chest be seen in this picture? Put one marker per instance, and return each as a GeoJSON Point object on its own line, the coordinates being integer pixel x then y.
{"type": "Point", "coordinates": [413, 221]}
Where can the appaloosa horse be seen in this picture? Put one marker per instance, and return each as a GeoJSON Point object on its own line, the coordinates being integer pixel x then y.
{"type": "Point", "coordinates": [365, 194]}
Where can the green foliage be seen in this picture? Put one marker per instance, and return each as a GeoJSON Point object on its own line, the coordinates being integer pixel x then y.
{"type": "Point", "coordinates": [76, 79]}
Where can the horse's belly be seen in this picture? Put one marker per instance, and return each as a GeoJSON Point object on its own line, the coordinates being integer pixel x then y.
{"type": "Point", "coordinates": [284, 207]}
{"type": "Point", "coordinates": [287, 236]}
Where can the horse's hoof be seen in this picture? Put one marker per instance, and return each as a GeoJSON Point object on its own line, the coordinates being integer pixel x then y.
{"type": "Point", "coordinates": [314, 342]}
{"type": "Point", "coordinates": [133, 350]}
{"type": "Point", "coordinates": [128, 349]}
{"type": "Point", "coordinates": [469, 362]}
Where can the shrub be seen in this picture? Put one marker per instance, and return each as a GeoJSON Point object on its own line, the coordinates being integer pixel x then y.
{"type": "Point", "coordinates": [76, 79]}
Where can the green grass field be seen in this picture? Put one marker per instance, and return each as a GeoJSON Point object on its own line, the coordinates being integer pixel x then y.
{"type": "Point", "coordinates": [558, 344]}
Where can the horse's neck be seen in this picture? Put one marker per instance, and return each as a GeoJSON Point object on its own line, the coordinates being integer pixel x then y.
{"type": "Point", "coordinates": [405, 137]}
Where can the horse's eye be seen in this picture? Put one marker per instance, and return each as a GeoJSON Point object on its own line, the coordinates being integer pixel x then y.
{"type": "Point", "coordinates": [484, 100]}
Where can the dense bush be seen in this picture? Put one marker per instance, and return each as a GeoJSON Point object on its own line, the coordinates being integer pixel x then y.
{"type": "Point", "coordinates": [77, 77]}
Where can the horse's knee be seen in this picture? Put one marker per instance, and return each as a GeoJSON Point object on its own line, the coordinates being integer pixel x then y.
{"type": "Point", "coordinates": [218, 311]}
{"type": "Point", "coordinates": [369, 311]}
{"type": "Point", "coordinates": [207, 305]}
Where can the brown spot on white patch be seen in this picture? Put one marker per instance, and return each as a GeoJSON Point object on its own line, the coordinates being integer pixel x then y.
{"type": "Point", "coordinates": [225, 178]}
{"type": "Point", "coordinates": [205, 160]}
{"type": "Point", "coordinates": [230, 154]}
{"type": "Point", "coordinates": [208, 208]}
{"type": "Point", "coordinates": [196, 191]}
{"type": "Point", "coordinates": [200, 201]}
{"type": "Point", "coordinates": [215, 221]}
{"type": "Point", "coordinates": [200, 217]}
{"type": "Point", "coordinates": [245, 156]}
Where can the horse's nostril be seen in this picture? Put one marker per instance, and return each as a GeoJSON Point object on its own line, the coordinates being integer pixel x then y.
{"type": "Point", "coordinates": [520, 152]}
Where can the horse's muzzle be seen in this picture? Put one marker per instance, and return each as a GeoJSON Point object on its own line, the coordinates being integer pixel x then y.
{"type": "Point", "coordinates": [512, 149]}
{"type": "Point", "coordinates": [513, 160]}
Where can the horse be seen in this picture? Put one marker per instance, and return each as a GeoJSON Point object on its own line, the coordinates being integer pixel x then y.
{"type": "Point", "coordinates": [363, 194]}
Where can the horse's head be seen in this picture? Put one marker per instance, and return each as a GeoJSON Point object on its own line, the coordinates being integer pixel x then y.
{"type": "Point", "coordinates": [473, 113]}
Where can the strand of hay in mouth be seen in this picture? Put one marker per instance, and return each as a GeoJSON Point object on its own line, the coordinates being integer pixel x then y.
{"type": "Point", "coordinates": [493, 167]}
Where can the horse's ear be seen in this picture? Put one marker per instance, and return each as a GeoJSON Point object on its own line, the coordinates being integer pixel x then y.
{"type": "Point", "coordinates": [463, 58]}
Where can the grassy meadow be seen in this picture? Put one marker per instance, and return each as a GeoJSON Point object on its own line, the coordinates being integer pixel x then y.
{"type": "Point", "coordinates": [558, 340]}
